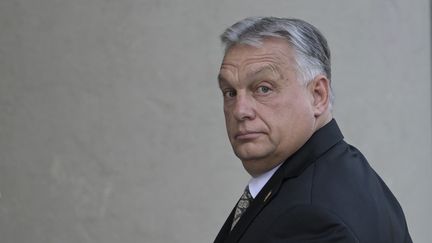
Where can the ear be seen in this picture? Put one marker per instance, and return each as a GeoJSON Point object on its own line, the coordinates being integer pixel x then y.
{"type": "Point", "coordinates": [319, 88]}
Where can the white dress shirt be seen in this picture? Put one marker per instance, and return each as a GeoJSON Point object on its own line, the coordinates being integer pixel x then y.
{"type": "Point", "coordinates": [257, 183]}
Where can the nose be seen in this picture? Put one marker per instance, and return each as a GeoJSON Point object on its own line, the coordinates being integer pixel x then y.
{"type": "Point", "coordinates": [244, 108]}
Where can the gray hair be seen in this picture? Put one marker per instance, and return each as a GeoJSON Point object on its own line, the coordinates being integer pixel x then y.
{"type": "Point", "coordinates": [312, 54]}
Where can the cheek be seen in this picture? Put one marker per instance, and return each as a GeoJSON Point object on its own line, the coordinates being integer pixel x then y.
{"type": "Point", "coordinates": [227, 115]}
{"type": "Point", "coordinates": [229, 122]}
{"type": "Point", "coordinates": [287, 116]}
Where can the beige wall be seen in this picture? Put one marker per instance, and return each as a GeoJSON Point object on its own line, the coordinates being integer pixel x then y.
{"type": "Point", "coordinates": [111, 124]}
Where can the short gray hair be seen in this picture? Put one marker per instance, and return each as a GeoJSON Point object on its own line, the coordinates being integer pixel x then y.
{"type": "Point", "coordinates": [312, 53]}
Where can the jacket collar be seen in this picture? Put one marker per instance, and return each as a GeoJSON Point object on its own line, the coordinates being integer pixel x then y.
{"type": "Point", "coordinates": [320, 142]}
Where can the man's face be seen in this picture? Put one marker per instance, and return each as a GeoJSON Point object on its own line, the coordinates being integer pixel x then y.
{"type": "Point", "coordinates": [268, 110]}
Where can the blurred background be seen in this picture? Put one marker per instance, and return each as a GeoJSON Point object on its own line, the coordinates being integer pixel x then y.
{"type": "Point", "coordinates": [111, 122]}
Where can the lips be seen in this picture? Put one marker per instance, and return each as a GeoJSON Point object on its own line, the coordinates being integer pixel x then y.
{"type": "Point", "coordinates": [247, 135]}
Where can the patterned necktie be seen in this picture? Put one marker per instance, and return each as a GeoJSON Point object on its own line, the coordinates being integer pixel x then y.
{"type": "Point", "coordinates": [242, 205]}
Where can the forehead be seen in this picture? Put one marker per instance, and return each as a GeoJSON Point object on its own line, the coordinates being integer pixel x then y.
{"type": "Point", "coordinates": [273, 53]}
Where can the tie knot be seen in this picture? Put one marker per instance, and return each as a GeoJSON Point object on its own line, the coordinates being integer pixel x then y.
{"type": "Point", "coordinates": [246, 195]}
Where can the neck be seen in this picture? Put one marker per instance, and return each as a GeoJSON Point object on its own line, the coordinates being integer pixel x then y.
{"type": "Point", "coordinates": [323, 120]}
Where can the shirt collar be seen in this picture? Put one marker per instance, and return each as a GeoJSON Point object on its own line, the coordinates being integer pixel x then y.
{"type": "Point", "coordinates": [257, 183]}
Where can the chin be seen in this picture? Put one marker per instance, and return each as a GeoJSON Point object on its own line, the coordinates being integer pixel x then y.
{"type": "Point", "coordinates": [256, 169]}
{"type": "Point", "coordinates": [251, 154]}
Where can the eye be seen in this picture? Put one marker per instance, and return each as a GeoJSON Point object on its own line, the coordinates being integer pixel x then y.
{"type": "Point", "coordinates": [229, 93]}
{"type": "Point", "coordinates": [263, 89]}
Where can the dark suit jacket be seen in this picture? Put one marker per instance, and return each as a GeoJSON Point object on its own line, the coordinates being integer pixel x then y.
{"type": "Point", "coordinates": [325, 192]}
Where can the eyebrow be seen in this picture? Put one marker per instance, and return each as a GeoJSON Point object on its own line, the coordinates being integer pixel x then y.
{"type": "Point", "coordinates": [263, 69]}
{"type": "Point", "coordinates": [221, 80]}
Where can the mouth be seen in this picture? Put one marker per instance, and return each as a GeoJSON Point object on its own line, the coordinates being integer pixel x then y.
{"type": "Point", "coordinates": [247, 135]}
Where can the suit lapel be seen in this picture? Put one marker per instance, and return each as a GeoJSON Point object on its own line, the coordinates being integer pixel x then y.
{"type": "Point", "coordinates": [259, 202]}
{"type": "Point", "coordinates": [226, 228]}
{"type": "Point", "coordinates": [319, 143]}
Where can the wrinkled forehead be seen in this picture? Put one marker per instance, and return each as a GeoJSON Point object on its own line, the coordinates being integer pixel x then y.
{"type": "Point", "coordinates": [274, 55]}
{"type": "Point", "coordinates": [254, 71]}
{"type": "Point", "coordinates": [276, 50]}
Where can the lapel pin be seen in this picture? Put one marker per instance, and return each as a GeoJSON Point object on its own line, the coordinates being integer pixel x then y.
{"type": "Point", "coordinates": [268, 195]}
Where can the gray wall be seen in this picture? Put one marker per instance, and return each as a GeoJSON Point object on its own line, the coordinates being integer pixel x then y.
{"type": "Point", "coordinates": [111, 124]}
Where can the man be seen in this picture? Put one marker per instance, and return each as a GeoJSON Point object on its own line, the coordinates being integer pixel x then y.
{"type": "Point", "coordinates": [307, 184]}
